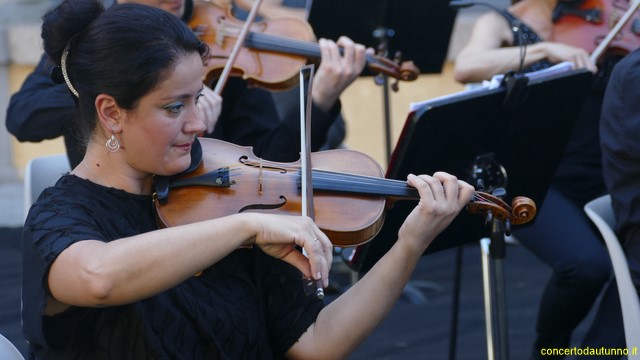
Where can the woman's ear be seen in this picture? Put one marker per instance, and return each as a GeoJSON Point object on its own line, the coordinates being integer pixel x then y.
{"type": "Point", "coordinates": [109, 113]}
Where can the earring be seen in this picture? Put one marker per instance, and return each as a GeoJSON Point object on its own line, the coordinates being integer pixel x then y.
{"type": "Point", "coordinates": [113, 144]}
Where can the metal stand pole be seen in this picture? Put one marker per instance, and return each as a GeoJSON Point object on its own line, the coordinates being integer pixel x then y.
{"type": "Point", "coordinates": [383, 34]}
{"type": "Point", "coordinates": [494, 252]}
{"type": "Point", "coordinates": [387, 116]}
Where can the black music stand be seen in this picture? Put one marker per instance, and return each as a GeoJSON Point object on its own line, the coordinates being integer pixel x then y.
{"type": "Point", "coordinates": [418, 30]}
{"type": "Point", "coordinates": [522, 127]}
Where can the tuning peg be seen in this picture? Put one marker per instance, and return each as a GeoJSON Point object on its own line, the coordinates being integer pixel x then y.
{"type": "Point", "coordinates": [489, 217]}
{"type": "Point", "coordinates": [499, 192]}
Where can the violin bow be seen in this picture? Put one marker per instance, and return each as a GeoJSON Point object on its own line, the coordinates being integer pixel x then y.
{"type": "Point", "coordinates": [614, 31]}
{"type": "Point", "coordinates": [226, 71]}
{"type": "Point", "coordinates": [307, 71]}
{"type": "Point", "coordinates": [305, 140]}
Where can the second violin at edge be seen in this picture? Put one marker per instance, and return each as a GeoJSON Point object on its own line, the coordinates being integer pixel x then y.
{"type": "Point", "coordinates": [273, 51]}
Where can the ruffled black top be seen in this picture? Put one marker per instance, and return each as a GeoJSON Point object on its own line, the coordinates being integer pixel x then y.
{"type": "Point", "coordinates": [248, 305]}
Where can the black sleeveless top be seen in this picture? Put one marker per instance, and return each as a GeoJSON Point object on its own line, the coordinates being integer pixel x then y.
{"type": "Point", "coordinates": [524, 35]}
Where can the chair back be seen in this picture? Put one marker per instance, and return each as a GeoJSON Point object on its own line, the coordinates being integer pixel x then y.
{"type": "Point", "coordinates": [40, 173]}
{"type": "Point", "coordinates": [8, 351]}
{"type": "Point", "coordinates": [601, 214]}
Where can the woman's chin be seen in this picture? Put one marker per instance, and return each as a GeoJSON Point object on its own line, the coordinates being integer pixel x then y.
{"type": "Point", "coordinates": [176, 167]}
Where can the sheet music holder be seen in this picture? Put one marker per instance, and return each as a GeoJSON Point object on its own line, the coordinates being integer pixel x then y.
{"type": "Point", "coordinates": [525, 135]}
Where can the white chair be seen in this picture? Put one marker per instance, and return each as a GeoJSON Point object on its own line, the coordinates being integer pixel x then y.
{"type": "Point", "coordinates": [600, 212]}
{"type": "Point", "coordinates": [40, 173]}
{"type": "Point", "coordinates": [8, 351]}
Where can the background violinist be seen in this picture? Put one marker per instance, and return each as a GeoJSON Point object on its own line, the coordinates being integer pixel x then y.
{"type": "Point", "coordinates": [522, 39]}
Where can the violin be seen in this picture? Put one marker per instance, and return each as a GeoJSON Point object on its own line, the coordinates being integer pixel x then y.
{"type": "Point", "coordinates": [273, 51]}
{"type": "Point", "coordinates": [273, 9]}
{"type": "Point", "coordinates": [350, 193]}
{"type": "Point", "coordinates": [597, 25]}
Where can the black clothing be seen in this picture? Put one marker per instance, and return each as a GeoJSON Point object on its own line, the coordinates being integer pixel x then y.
{"type": "Point", "coordinates": [43, 110]}
{"type": "Point", "coordinates": [248, 305]}
{"type": "Point", "coordinates": [250, 117]}
{"type": "Point", "coordinates": [619, 129]}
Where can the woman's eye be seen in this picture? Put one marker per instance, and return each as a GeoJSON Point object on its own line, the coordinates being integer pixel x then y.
{"type": "Point", "coordinates": [198, 97]}
{"type": "Point", "coordinates": [174, 108]}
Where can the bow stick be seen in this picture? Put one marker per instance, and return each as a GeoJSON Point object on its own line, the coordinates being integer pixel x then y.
{"type": "Point", "coordinates": [305, 152]}
{"type": "Point", "coordinates": [226, 71]}
{"type": "Point", "coordinates": [602, 46]}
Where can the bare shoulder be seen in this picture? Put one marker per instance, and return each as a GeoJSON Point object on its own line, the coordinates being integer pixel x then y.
{"type": "Point", "coordinates": [491, 30]}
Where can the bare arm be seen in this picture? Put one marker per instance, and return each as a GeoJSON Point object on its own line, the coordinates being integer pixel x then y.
{"type": "Point", "coordinates": [490, 51]}
{"type": "Point", "coordinates": [94, 273]}
{"type": "Point", "coordinates": [347, 321]}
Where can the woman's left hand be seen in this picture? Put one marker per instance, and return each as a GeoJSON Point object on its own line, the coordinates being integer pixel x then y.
{"type": "Point", "coordinates": [336, 70]}
{"type": "Point", "coordinates": [442, 196]}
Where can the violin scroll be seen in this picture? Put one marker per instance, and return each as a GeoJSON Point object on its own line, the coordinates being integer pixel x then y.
{"type": "Point", "coordinates": [521, 211]}
{"type": "Point", "coordinates": [524, 210]}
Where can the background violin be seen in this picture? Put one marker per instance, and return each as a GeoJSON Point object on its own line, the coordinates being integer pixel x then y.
{"type": "Point", "coordinates": [587, 23]}
{"type": "Point", "coordinates": [351, 194]}
{"type": "Point", "coordinates": [273, 51]}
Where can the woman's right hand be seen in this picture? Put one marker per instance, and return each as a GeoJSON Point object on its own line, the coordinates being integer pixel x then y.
{"type": "Point", "coordinates": [278, 236]}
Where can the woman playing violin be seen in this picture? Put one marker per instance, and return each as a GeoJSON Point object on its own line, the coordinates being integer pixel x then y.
{"type": "Point", "coordinates": [101, 280]}
{"type": "Point", "coordinates": [562, 236]}
{"type": "Point", "coordinates": [494, 44]}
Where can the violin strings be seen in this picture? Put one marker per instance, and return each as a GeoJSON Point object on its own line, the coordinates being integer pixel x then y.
{"type": "Point", "coordinates": [294, 46]}
{"type": "Point", "coordinates": [236, 170]}
{"type": "Point", "coordinates": [277, 43]}
{"type": "Point", "coordinates": [328, 175]}
{"type": "Point", "coordinates": [321, 175]}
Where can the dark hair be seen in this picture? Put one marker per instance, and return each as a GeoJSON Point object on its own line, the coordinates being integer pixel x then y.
{"type": "Point", "coordinates": [124, 51]}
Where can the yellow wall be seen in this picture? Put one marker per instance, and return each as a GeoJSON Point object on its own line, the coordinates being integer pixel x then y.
{"type": "Point", "coordinates": [364, 110]}
{"type": "Point", "coordinates": [362, 106]}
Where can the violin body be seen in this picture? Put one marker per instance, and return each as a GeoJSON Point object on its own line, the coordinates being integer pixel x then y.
{"type": "Point", "coordinates": [258, 185]}
{"type": "Point", "coordinates": [587, 23]}
{"type": "Point", "coordinates": [218, 28]}
{"type": "Point", "coordinates": [273, 51]}
{"type": "Point", "coordinates": [350, 193]}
